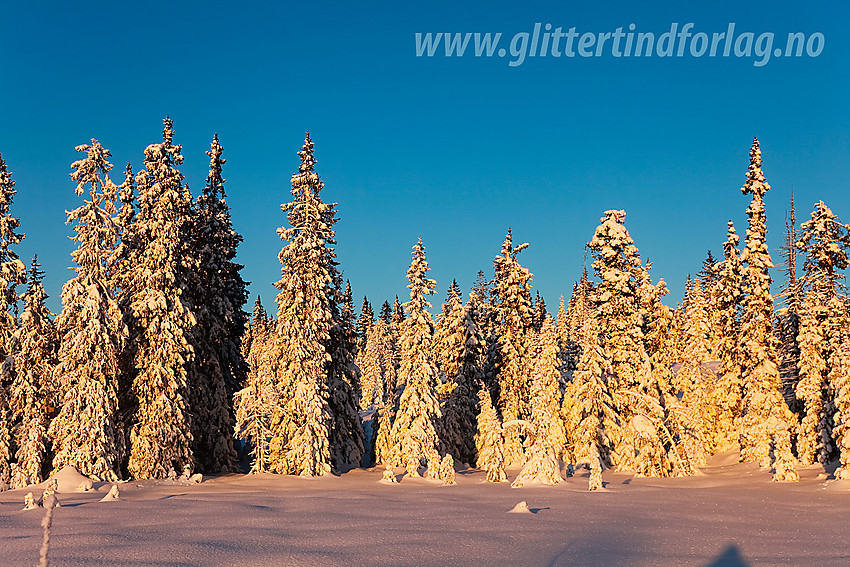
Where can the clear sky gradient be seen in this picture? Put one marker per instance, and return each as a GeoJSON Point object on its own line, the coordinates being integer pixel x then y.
{"type": "Point", "coordinates": [455, 150]}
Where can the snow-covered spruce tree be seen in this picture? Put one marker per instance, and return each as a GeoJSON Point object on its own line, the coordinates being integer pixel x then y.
{"type": "Point", "coordinates": [823, 314]}
{"type": "Point", "coordinates": [540, 311]}
{"type": "Point", "coordinates": [386, 313]}
{"type": "Point", "coordinates": [453, 291]}
{"type": "Point", "coordinates": [571, 323]}
{"type": "Point", "coordinates": [677, 332]}
{"type": "Point", "coordinates": [618, 315]}
{"type": "Point", "coordinates": [346, 311]}
{"type": "Point", "coordinates": [618, 267]}
{"type": "Point", "coordinates": [257, 325]}
{"type": "Point", "coordinates": [121, 277]}
{"type": "Point", "coordinates": [839, 329]}
{"type": "Point", "coordinates": [383, 437]}
{"type": "Point", "coordinates": [766, 419]}
{"type": "Point", "coordinates": [443, 341]}
{"type": "Point", "coordinates": [447, 470]}
{"type": "Point", "coordinates": [414, 436]}
{"type": "Point", "coordinates": [360, 326]}
{"type": "Point", "coordinates": [371, 374]}
{"type": "Point", "coordinates": [12, 269]}
{"type": "Point", "coordinates": [664, 425]}
{"type": "Point", "coordinates": [694, 379]}
{"type": "Point", "coordinates": [160, 317]}
{"type": "Point", "coordinates": [483, 313]}
{"type": "Point", "coordinates": [549, 438]}
{"type": "Point", "coordinates": [87, 433]}
{"type": "Point", "coordinates": [397, 319]}
{"type": "Point", "coordinates": [489, 442]}
{"type": "Point", "coordinates": [579, 309]}
{"type": "Point", "coordinates": [709, 274]}
{"type": "Point", "coordinates": [12, 273]}
{"type": "Point", "coordinates": [839, 379]}
{"type": "Point", "coordinates": [255, 402]}
{"type": "Point", "coordinates": [347, 435]}
{"type": "Point", "coordinates": [787, 320]}
{"type": "Point", "coordinates": [565, 344]}
{"type": "Point", "coordinates": [315, 427]}
{"type": "Point", "coordinates": [32, 392]}
{"type": "Point", "coordinates": [514, 319]}
{"type": "Point", "coordinates": [728, 391]}
{"type": "Point", "coordinates": [386, 353]}
{"type": "Point", "coordinates": [708, 278]}
{"type": "Point", "coordinates": [217, 294]}
{"type": "Point", "coordinates": [461, 350]}
{"type": "Point", "coordinates": [563, 323]}
{"type": "Point", "coordinates": [813, 432]}
{"type": "Point", "coordinates": [345, 331]}
{"type": "Point", "coordinates": [378, 370]}
{"type": "Point", "coordinates": [590, 414]}
{"type": "Point", "coordinates": [398, 313]}
{"type": "Point", "coordinates": [839, 382]}
{"type": "Point", "coordinates": [392, 318]}
{"type": "Point", "coordinates": [364, 322]}
{"type": "Point", "coordinates": [302, 420]}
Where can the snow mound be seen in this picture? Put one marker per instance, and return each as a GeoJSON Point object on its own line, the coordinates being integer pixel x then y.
{"type": "Point", "coordinates": [542, 468]}
{"type": "Point", "coordinates": [521, 508]}
{"type": "Point", "coordinates": [112, 495]}
{"type": "Point", "coordinates": [389, 475]}
{"type": "Point", "coordinates": [29, 502]}
{"type": "Point", "coordinates": [70, 479]}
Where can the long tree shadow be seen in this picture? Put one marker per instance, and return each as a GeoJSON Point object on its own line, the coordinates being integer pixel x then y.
{"type": "Point", "coordinates": [731, 557]}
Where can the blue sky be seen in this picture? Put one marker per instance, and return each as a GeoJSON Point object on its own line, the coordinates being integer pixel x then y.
{"type": "Point", "coordinates": [455, 150]}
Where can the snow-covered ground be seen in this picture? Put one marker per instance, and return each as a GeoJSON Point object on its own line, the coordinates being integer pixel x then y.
{"type": "Point", "coordinates": [731, 516]}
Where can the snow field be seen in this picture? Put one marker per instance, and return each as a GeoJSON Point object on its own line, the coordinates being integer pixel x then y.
{"type": "Point", "coordinates": [732, 515]}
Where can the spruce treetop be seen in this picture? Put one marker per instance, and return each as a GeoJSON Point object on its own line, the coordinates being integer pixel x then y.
{"type": "Point", "coordinates": [7, 193]}
{"type": "Point", "coordinates": [172, 153]}
{"type": "Point", "coordinates": [386, 313]}
{"type": "Point", "coordinates": [365, 308]}
{"type": "Point", "coordinates": [88, 171]}
{"type": "Point", "coordinates": [128, 198]}
{"type": "Point", "coordinates": [729, 288]}
{"type": "Point", "coordinates": [508, 249]}
{"type": "Point", "coordinates": [755, 184]}
{"type": "Point", "coordinates": [616, 259]}
{"type": "Point", "coordinates": [308, 161]}
{"type": "Point", "coordinates": [512, 287]}
{"type": "Point", "coordinates": [732, 240]}
{"type": "Point", "coordinates": [308, 212]}
{"type": "Point", "coordinates": [420, 286]}
{"type": "Point", "coordinates": [35, 295]}
{"type": "Point", "coordinates": [12, 269]}
{"type": "Point", "coordinates": [756, 253]}
{"type": "Point", "coordinates": [259, 311]}
{"type": "Point", "coordinates": [215, 182]}
{"type": "Point", "coordinates": [825, 240]}
{"type": "Point", "coordinates": [160, 178]}
{"type": "Point", "coordinates": [168, 131]}
{"type": "Point", "coordinates": [613, 246]}
{"type": "Point", "coordinates": [453, 292]}
{"type": "Point", "coordinates": [398, 312]}
{"type": "Point", "coordinates": [95, 229]}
